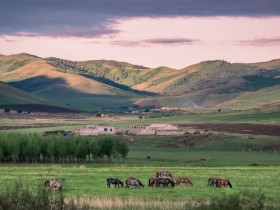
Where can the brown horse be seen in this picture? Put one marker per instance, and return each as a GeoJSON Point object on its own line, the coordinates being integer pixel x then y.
{"type": "Point", "coordinates": [223, 183]}
{"type": "Point", "coordinates": [185, 180]}
{"type": "Point", "coordinates": [131, 177]}
{"type": "Point", "coordinates": [53, 184]}
{"type": "Point", "coordinates": [151, 182]}
{"type": "Point", "coordinates": [164, 174]}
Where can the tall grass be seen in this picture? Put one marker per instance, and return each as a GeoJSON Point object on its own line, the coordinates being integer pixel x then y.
{"type": "Point", "coordinates": [243, 200]}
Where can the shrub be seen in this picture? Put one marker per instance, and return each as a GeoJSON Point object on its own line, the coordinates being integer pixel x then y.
{"type": "Point", "coordinates": [244, 200]}
{"type": "Point", "coordinates": [20, 196]}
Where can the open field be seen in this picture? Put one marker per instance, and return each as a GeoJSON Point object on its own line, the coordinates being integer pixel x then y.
{"type": "Point", "coordinates": [250, 163]}
{"type": "Point", "coordinates": [90, 180]}
{"type": "Point", "coordinates": [121, 121]}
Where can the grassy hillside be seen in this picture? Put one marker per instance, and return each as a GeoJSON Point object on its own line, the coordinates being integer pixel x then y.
{"type": "Point", "coordinates": [264, 98]}
{"type": "Point", "coordinates": [214, 82]}
{"type": "Point", "coordinates": [12, 95]}
{"type": "Point", "coordinates": [66, 89]}
{"type": "Point", "coordinates": [111, 84]}
{"type": "Point", "coordinates": [205, 84]}
{"type": "Point", "coordinates": [12, 62]}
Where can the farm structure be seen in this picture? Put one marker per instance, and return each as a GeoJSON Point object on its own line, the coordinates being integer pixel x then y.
{"type": "Point", "coordinates": [154, 129]}
{"type": "Point", "coordinates": [95, 130]}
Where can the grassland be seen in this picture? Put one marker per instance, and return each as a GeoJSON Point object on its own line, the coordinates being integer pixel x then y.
{"type": "Point", "coordinates": [89, 181]}
{"type": "Point", "coordinates": [247, 170]}
{"type": "Point", "coordinates": [222, 154]}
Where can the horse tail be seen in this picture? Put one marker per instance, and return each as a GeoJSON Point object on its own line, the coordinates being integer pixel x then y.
{"type": "Point", "coordinates": [190, 181]}
{"type": "Point", "coordinates": [229, 184]}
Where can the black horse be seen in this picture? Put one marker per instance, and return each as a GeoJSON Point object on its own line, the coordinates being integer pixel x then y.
{"type": "Point", "coordinates": [212, 182]}
{"type": "Point", "coordinates": [133, 182]}
{"type": "Point", "coordinates": [164, 181]}
{"type": "Point", "coordinates": [114, 182]}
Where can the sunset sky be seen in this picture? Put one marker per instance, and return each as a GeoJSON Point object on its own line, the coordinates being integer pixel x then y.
{"type": "Point", "coordinates": [174, 33]}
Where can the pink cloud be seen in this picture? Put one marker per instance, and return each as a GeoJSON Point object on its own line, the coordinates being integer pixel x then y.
{"type": "Point", "coordinates": [261, 42]}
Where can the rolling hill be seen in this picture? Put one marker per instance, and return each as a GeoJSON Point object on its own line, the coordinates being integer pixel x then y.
{"type": "Point", "coordinates": [112, 85]}
{"type": "Point", "coordinates": [12, 95]}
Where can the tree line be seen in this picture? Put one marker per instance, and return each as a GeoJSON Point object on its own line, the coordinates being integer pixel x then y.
{"type": "Point", "coordinates": [34, 148]}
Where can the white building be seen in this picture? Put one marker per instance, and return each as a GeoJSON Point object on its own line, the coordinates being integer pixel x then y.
{"type": "Point", "coordinates": [163, 127]}
{"type": "Point", "coordinates": [95, 130]}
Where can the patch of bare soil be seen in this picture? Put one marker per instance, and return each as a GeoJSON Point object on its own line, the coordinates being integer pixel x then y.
{"type": "Point", "coordinates": [243, 128]}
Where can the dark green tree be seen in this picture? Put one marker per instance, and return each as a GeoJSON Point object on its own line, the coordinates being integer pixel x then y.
{"type": "Point", "coordinates": [106, 147]}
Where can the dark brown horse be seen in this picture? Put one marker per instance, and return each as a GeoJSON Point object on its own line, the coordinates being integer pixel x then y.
{"type": "Point", "coordinates": [151, 182]}
{"type": "Point", "coordinates": [164, 174]}
{"type": "Point", "coordinates": [223, 183]}
{"type": "Point", "coordinates": [185, 180]}
{"type": "Point", "coordinates": [164, 181]}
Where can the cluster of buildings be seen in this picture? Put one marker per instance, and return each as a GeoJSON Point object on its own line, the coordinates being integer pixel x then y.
{"type": "Point", "coordinates": [153, 129]}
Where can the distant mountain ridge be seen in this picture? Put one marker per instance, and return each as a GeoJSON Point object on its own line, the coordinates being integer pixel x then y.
{"type": "Point", "coordinates": [103, 84]}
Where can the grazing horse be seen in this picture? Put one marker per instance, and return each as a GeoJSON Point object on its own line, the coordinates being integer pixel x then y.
{"type": "Point", "coordinates": [53, 184]}
{"type": "Point", "coordinates": [131, 177]}
{"type": "Point", "coordinates": [162, 174]}
{"type": "Point", "coordinates": [223, 183]}
{"type": "Point", "coordinates": [164, 181]}
{"type": "Point", "coordinates": [212, 182]}
{"type": "Point", "coordinates": [114, 182]}
{"type": "Point", "coordinates": [151, 182]}
{"type": "Point", "coordinates": [133, 182]}
{"type": "Point", "coordinates": [185, 180]}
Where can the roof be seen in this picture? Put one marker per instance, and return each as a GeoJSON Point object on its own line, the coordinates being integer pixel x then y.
{"type": "Point", "coordinates": [160, 125]}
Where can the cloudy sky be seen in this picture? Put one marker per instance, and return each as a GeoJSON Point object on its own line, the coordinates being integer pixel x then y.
{"type": "Point", "coordinates": [174, 33]}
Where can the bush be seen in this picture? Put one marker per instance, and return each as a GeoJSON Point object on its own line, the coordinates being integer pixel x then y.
{"type": "Point", "coordinates": [244, 200]}
{"type": "Point", "coordinates": [20, 196]}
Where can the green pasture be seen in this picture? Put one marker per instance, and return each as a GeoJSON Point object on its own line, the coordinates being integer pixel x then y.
{"type": "Point", "coordinates": [90, 180]}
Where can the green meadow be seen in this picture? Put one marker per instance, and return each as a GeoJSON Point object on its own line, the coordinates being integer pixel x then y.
{"type": "Point", "coordinates": [224, 155]}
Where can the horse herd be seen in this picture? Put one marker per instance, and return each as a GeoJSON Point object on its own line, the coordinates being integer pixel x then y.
{"type": "Point", "coordinates": [163, 178]}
